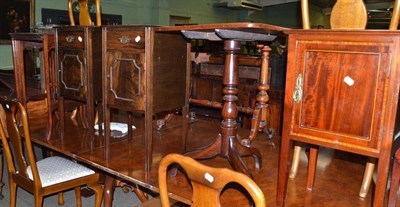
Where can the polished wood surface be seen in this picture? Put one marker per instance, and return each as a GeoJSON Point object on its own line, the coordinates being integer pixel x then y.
{"type": "Point", "coordinates": [126, 162]}
{"type": "Point", "coordinates": [316, 88]}
{"type": "Point", "coordinates": [20, 157]}
{"type": "Point", "coordinates": [207, 182]}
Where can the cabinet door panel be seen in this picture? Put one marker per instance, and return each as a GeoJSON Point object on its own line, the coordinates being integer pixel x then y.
{"type": "Point", "coordinates": [125, 77]}
{"type": "Point", "coordinates": [342, 89]}
{"type": "Point", "coordinates": [332, 94]}
{"type": "Point", "coordinates": [72, 73]}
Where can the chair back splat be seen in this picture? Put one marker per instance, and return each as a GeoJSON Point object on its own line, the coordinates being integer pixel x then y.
{"type": "Point", "coordinates": [207, 182]}
{"type": "Point", "coordinates": [84, 16]}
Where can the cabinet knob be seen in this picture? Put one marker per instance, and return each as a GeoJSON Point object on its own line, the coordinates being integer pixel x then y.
{"type": "Point", "coordinates": [298, 90]}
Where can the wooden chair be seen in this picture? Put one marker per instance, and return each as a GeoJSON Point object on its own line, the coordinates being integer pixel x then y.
{"type": "Point", "coordinates": [394, 184]}
{"type": "Point", "coordinates": [207, 182]}
{"type": "Point", "coordinates": [41, 178]}
{"type": "Point", "coordinates": [84, 16]}
{"type": "Point", "coordinates": [351, 15]}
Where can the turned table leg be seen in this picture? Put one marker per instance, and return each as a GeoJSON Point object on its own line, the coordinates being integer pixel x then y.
{"type": "Point", "coordinates": [227, 143]}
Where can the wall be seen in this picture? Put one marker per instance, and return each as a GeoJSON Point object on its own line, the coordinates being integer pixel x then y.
{"type": "Point", "coordinates": [157, 12]}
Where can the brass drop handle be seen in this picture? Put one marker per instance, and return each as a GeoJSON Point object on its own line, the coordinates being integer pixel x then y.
{"type": "Point", "coordinates": [298, 90]}
{"type": "Point", "coordinates": [124, 39]}
{"type": "Point", "coordinates": [70, 38]}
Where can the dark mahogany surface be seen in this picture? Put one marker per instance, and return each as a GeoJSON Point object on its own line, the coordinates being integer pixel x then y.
{"type": "Point", "coordinates": [339, 174]}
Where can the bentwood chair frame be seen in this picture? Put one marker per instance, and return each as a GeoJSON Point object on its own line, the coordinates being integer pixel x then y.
{"type": "Point", "coordinates": [207, 182]}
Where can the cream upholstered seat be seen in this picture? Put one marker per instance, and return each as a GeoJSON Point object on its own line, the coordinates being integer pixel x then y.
{"type": "Point", "coordinates": [54, 170]}
{"type": "Point", "coordinates": [48, 176]}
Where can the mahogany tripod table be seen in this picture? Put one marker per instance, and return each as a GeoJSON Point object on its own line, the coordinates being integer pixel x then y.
{"type": "Point", "coordinates": [227, 143]}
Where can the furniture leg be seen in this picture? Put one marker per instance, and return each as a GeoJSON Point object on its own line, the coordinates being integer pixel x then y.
{"type": "Point", "coordinates": [62, 114]}
{"type": "Point", "coordinates": [235, 160]}
{"type": "Point", "coordinates": [283, 172]}
{"type": "Point", "coordinates": [130, 123]}
{"type": "Point", "coordinates": [185, 122]}
{"type": "Point", "coordinates": [108, 193]}
{"type": "Point", "coordinates": [126, 187]}
{"type": "Point", "coordinates": [394, 184]}
{"type": "Point", "coordinates": [260, 114]}
{"type": "Point", "coordinates": [46, 69]}
{"type": "Point", "coordinates": [245, 151]}
{"type": "Point", "coordinates": [60, 199]}
{"type": "Point", "coordinates": [368, 173]}
{"type": "Point", "coordinates": [106, 111]}
{"type": "Point", "coordinates": [295, 161]}
{"type": "Point", "coordinates": [312, 164]}
{"type": "Point", "coordinates": [381, 179]}
{"type": "Point", "coordinates": [78, 196]}
{"type": "Point", "coordinates": [1, 174]}
{"type": "Point", "coordinates": [210, 151]}
{"type": "Point", "coordinates": [84, 112]}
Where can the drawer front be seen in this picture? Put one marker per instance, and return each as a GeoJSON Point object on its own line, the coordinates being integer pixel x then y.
{"type": "Point", "coordinates": [72, 73]}
{"type": "Point", "coordinates": [68, 38]}
{"type": "Point", "coordinates": [125, 80]}
{"type": "Point", "coordinates": [336, 89]}
{"type": "Point", "coordinates": [126, 38]}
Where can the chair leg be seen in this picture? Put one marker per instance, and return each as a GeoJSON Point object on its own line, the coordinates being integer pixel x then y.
{"type": "Point", "coordinates": [312, 165]}
{"type": "Point", "coordinates": [60, 199]}
{"type": "Point", "coordinates": [13, 193]}
{"type": "Point", "coordinates": [368, 173]}
{"type": "Point", "coordinates": [78, 196]}
{"type": "Point", "coordinates": [98, 189]}
{"type": "Point", "coordinates": [394, 184]}
{"type": "Point", "coordinates": [1, 174]}
{"type": "Point", "coordinates": [295, 161]}
{"type": "Point", "coordinates": [38, 200]}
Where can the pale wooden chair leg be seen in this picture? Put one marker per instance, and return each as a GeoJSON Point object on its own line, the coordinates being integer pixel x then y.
{"type": "Point", "coordinates": [295, 161]}
{"type": "Point", "coordinates": [60, 199]}
{"type": "Point", "coordinates": [13, 193]}
{"type": "Point", "coordinates": [38, 200]}
{"type": "Point", "coordinates": [78, 196]}
{"type": "Point", "coordinates": [312, 165]}
{"type": "Point", "coordinates": [368, 173]}
{"type": "Point", "coordinates": [98, 189]}
{"type": "Point", "coordinates": [1, 174]}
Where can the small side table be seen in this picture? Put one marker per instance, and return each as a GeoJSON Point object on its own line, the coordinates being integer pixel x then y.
{"type": "Point", "coordinates": [227, 143]}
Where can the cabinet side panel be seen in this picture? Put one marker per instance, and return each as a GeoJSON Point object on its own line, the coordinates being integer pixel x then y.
{"type": "Point", "coordinates": [169, 62]}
